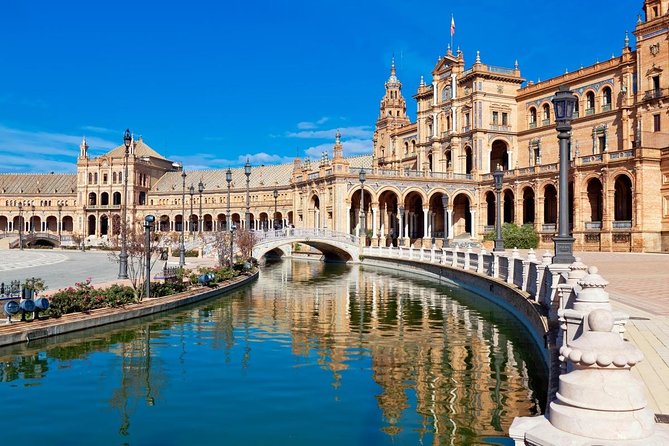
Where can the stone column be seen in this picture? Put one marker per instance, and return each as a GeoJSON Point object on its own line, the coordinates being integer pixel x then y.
{"type": "Point", "coordinates": [474, 223]}
{"type": "Point", "coordinates": [426, 227]}
{"type": "Point", "coordinates": [375, 222]}
{"type": "Point", "coordinates": [449, 219]}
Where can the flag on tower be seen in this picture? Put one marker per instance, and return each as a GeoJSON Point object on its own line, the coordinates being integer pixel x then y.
{"type": "Point", "coordinates": [452, 25]}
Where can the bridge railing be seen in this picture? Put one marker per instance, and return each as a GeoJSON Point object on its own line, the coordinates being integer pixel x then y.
{"type": "Point", "coordinates": [302, 233]}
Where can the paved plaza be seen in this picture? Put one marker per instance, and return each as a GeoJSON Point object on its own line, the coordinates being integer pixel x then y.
{"type": "Point", "coordinates": [638, 285]}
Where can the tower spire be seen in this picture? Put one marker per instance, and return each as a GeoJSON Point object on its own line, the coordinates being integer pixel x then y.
{"type": "Point", "coordinates": [83, 148]}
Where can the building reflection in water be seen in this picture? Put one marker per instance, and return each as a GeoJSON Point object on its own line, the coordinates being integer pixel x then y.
{"type": "Point", "coordinates": [445, 362]}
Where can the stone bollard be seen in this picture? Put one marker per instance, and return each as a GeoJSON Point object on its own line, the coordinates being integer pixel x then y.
{"type": "Point", "coordinates": [599, 401]}
{"type": "Point", "coordinates": [443, 256]}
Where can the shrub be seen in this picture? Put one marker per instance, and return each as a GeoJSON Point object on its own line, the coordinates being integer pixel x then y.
{"type": "Point", "coordinates": [187, 253]}
{"type": "Point", "coordinates": [514, 236]}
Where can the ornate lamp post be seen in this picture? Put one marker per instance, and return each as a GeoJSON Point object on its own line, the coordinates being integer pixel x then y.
{"type": "Point", "coordinates": [247, 217]}
{"type": "Point", "coordinates": [123, 257]}
{"type": "Point", "coordinates": [200, 222]}
{"type": "Point", "coordinates": [275, 220]}
{"type": "Point", "coordinates": [228, 178]}
{"type": "Point", "coordinates": [59, 224]}
{"type": "Point", "coordinates": [444, 203]}
{"type": "Point", "coordinates": [191, 224]}
{"type": "Point", "coordinates": [20, 226]}
{"type": "Point", "coordinates": [498, 175]}
{"type": "Point", "coordinates": [32, 219]}
{"type": "Point", "coordinates": [362, 176]}
{"type": "Point", "coordinates": [182, 247]}
{"type": "Point", "coordinates": [564, 103]}
{"type": "Point", "coordinates": [148, 222]}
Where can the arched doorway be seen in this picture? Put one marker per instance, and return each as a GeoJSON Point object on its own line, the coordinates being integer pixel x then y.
{"type": "Point", "coordinates": [51, 224]}
{"type": "Point", "coordinates": [104, 199]}
{"type": "Point", "coordinates": [508, 215]}
{"type": "Point", "coordinates": [462, 217]}
{"type": "Point", "coordinates": [68, 224]}
{"type": "Point", "coordinates": [528, 205]}
{"type": "Point", "coordinates": [499, 155]}
{"type": "Point", "coordinates": [104, 225]}
{"type": "Point", "coordinates": [264, 221]}
{"type": "Point", "coordinates": [623, 201]}
{"type": "Point", "coordinates": [550, 205]}
{"type": "Point", "coordinates": [116, 198]}
{"type": "Point", "coordinates": [314, 212]}
{"type": "Point", "coordinates": [178, 223]}
{"type": "Point", "coordinates": [413, 208]}
{"type": "Point", "coordinates": [208, 221]}
{"type": "Point", "coordinates": [436, 220]}
{"type": "Point", "coordinates": [91, 224]}
{"type": "Point", "coordinates": [164, 223]}
{"type": "Point", "coordinates": [469, 160]}
{"type": "Point", "coordinates": [388, 222]}
{"type": "Point", "coordinates": [595, 201]}
{"type": "Point", "coordinates": [221, 222]}
{"type": "Point", "coordinates": [490, 209]}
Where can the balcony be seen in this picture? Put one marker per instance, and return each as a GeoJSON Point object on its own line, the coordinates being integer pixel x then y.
{"type": "Point", "coordinates": [589, 111]}
{"type": "Point", "coordinates": [500, 128]}
{"type": "Point", "coordinates": [606, 107]}
{"type": "Point", "coordinates": [102, 207]}
{"type": "Point", "coordinates": [655, 93]}
{"type": "Point", "coordinates": [593, 225]}
{"type": "Point", "coordinates": [533, 125]}
{"type": "Point", "coordinates": [548, 227]}
{"type": "Point", "coordinates": [545, 121]}
{"type": "Point", "coordinates": [622, 224]}
{"type": "Point", "coordinates": [466, 129]}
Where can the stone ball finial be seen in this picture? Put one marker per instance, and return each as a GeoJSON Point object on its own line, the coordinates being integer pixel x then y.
{"type": "Point", "coordinates": [593, 270]}
{"type": "Point", "coordinates": [600, 320]}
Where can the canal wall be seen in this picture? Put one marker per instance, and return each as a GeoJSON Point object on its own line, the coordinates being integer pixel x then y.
{"type": "Point", "coordinates": [19, 332]}
{"type": "Point", "coordinates": [517, 285]}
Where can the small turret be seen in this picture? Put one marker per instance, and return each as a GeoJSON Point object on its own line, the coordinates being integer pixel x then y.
{"type": "Point", "coordinates": [83, 149]}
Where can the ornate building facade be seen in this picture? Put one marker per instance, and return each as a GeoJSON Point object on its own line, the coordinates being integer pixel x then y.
{"type": "Point", "coordinates": [427, 182]}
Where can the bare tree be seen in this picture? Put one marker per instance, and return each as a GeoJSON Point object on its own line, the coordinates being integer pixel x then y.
{"type": "Point", "coordinates": [136, 250]}
{"type": "Point", "coordinates": [245, 241]}
{"type": "Point", "coordinates": [221, 244]}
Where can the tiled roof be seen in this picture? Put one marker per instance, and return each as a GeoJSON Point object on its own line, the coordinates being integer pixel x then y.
{"type": "Point", "coordinates": [360, 161]}
{"type": "Point", "coordinates": [35, 183]}
{"type": "Point", "coordinates": [261, 176]}
{"type": "Point", "coordinates": [141, 149]}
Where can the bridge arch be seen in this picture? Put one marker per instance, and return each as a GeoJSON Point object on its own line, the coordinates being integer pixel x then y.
{"type": "Point", "coordinates": [335, 246]}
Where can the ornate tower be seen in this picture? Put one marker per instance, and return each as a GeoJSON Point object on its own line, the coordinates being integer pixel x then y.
{"type": "Point", "coordinates": [392, 116]}
{"type": "Point", "coordinates": [83, 149]}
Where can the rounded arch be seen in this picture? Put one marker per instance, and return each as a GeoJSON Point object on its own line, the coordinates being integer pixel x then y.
{"type": "Point", "coordinates": [92, 199]}
{"type": "Point", "coordinates": [389, 218]}
{"type": "Point", "coordinates": [314, 213]}
{"type": "Point", "coordinates": [104, 199]}
{"type": "Point", "coordinates": [437, 223]}
{"type": "Point", "coordinates": [208, 223]}
{"type": "Point", "coordinates": [499, 154]}
{"type": "Point", "coordinates": [623, 193]}
{"type": "Point", "coordinates": [413, 201]}
{"type": "Point", "coordinates": [91, 225]}
{"type": "Point", "coordinates": [606, 98]}
{"type": "Point", "coordinates": [545, 113]}
{"type": "Point", "coordinates": [414, 190]}
{"type": "Point", "coordinates": [448, 158]}
{"type": "Point", "coordinates": [490, 208]}
{"type": "Point", "coordinates": [589, 102]}
{"type": "Point", "coordinates": [104, 224]}
{"type": "Point", "coordinates": [532, 113]}
{"type": "Point", "coordinates": [164, 223]}
{"type": "Point", "coordinates": [528, 205]}
{"type": "Point", "coordinates": [462, 218]}
{"type": "Point", "coordinates": [508, 214]}
{"type": "Point", "coordinates": [595, 191]}
{"type": "Point", "coordinates": [550, 204]}
{"type": "Point", "coordinates": [68, 223]}
{"type": "Point", "coordinates": [469, 160]}
{"type": "Point", "coordinates": [116, 198]}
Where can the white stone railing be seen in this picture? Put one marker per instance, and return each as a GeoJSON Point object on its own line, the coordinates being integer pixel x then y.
{"type": "Point", "coordinates": [305, 233]}
{"type": "Point", "coordinates": [528, 274]}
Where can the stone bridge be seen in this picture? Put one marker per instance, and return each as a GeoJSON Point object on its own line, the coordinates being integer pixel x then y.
{"type": "Point", "coordinates": [335, 246]}
{"type": "Point", "coordinates": [36, 238]}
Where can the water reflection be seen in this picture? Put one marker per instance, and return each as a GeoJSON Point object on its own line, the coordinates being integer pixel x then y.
{"type": "Point", "coordinates": [404, 361]}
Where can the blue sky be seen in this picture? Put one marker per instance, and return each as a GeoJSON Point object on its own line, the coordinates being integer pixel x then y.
{"type": "Point", "coordinates": [208, 83]}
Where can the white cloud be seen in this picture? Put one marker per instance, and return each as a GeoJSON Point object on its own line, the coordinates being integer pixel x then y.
{"type": "Point", "coordinates": [310, 125]}
{"type": "Point", "coordinates": [96, 129]}
{"type": "Point", "coordinates": [352, 147]}
{"type": "Point", "coordinates": [362, 131]}
{"type": "Point", "coordinates": [38, 151]}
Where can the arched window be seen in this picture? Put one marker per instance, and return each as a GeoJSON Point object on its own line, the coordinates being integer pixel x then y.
{"type": "Point", "coordinates": [589, 103]}
{"type": "Point", "coordinates": [546, 115]}
{"type": "Point", "coordinates": [606, 99]}
{"type": "Point", "coordinates": [533, 117]}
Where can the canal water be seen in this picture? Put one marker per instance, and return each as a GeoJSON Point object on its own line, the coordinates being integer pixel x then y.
{"type": "Point", "coordinates": [310, 354]}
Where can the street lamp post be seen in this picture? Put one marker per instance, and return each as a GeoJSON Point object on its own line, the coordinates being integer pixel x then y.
{"type": "Point", "coordinates": [498, 175]}
{"type": "Point", "coordinates": [182, 247]}
{"type": "Point", "coordinates": [228, 178]}
{"type": "Point", "coordinates": [20, 226]}
{"type": "Point", "coordinates": [191, 224]}
{"type": "Point", "coordinates": [361, 231]}
{"type": "Point", "coordinates": [444, 203]}
{"type": "Point", "coordinates": [32, 219]}
{"type": "Point", "coordinates": [247, 217]}
{"type": "Point", "coordinates": [59, 224]}
{"type": "Point", "coordinates": [200, 222]}
{"type": "Point", "coordinates": [123, 256]}
{"type": "Point", "coordinates": [564, 103]}
{"type": "Point", "coordinates": [148, 222]}
{"type": "Point", "coordinates": [232, 238]}
{"type": "Point", "coordinates": [275, 220]}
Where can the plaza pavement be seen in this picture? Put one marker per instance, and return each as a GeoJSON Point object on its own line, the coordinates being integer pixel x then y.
{"type": "Point", "coordinates": [638, 285]}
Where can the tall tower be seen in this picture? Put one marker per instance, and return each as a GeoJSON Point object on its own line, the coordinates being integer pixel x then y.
{"type": "Point", "coordinates": [83, 149]}
{"type": "Point", "coordinates": [392, 116]}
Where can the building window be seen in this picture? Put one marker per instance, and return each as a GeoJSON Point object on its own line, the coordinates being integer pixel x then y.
{"type": "Point", "coordinates": [546, 115]}
{"type": "Point", "coordinates": [533, 117]}
{"type": "Point", "coordinates": [606, 99]}
{"type": "Point", "coordinates": [589, 103]}
{"type": "Point", "coordinates": [505, 119]}
{"type": "Point", "coordinates": [495, 118]}
{"type": "Point", "coordinates": [105, 178]}
{"type": "Point", "coordinates": [446, 94]}
{"type": "Point", "coordinates": [656, 122]}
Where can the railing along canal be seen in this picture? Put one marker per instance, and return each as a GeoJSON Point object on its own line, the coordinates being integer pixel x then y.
{"type": "Point", "coordinates": [304, 234]}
